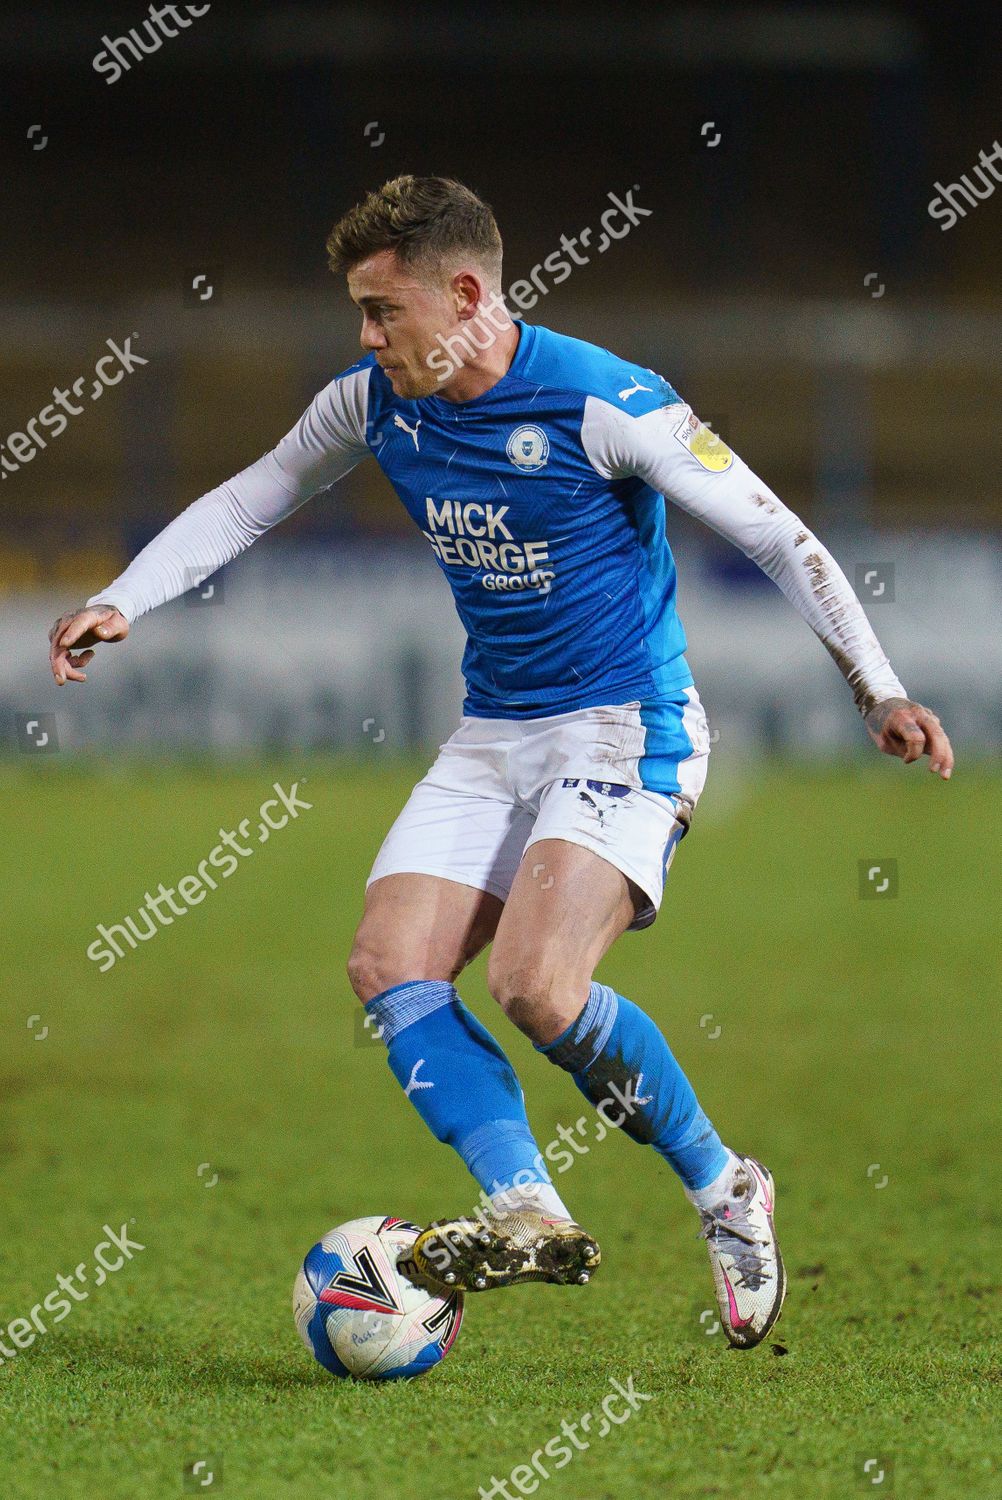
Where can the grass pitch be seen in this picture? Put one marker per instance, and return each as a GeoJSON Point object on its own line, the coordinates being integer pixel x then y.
{"type": "Point", "coordinates": [214, 1092]}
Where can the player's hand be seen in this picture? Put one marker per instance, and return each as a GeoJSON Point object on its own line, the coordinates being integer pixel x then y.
{"type": "Point", "coordinates": [899, 727]}
{"type": "Point", "coordinates": [82, 627]}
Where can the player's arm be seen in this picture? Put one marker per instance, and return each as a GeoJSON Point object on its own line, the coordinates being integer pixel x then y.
{"type": "Point", "coordinates": [681, 459]}
{"type": "Point", "coordinates": [328, 440]}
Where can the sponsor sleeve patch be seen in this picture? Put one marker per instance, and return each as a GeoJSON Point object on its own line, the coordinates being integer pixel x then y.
{"type": "Point", "coordinates": [705, 446]}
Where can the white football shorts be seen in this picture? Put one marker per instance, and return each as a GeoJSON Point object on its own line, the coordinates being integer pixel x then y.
{"type": "Point", "coordinates": [621, 780]}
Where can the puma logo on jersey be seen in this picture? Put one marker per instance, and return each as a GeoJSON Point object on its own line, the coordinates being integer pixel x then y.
{"type": "Point", "coordinates": [398, 421]}
{"type": "Point", "coordinates": [631, 390]}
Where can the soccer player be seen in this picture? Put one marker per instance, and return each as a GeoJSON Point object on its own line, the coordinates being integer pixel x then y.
{"type": "Point", "coordinates": [537, 467]}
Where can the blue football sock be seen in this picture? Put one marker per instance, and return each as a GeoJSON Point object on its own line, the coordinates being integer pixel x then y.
{"type": "Point", "coordinates": [459, 1081]}
{"type": "Point", "coordinates": [616, 1054]}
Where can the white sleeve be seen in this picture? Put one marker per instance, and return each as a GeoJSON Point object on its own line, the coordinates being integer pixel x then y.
{"type": "Point", "coordinates": [326, 443]}
{"type": "Point", "coordinates": [675, 454]}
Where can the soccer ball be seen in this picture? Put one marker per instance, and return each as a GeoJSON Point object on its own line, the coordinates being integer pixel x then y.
{"type": "Point", "coordinates": [358, 1314]}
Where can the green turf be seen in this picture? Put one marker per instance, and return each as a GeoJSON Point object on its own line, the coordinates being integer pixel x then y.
{"type": "Point", "coordinates": [857, 1045]}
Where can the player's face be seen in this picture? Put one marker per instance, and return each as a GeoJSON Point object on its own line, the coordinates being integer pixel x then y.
{"type": "Point", "coordinates": [404, 320]}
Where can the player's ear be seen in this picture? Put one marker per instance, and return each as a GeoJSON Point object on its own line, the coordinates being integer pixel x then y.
{"type": "Point", "coordinates": [468, 289]}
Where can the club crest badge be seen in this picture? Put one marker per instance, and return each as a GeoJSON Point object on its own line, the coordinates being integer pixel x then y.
{"type": "Point", "coordinates": [528, 448]}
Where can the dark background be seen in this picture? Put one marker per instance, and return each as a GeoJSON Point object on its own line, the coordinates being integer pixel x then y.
{"type": "Point", "coordinates": [789, 280]}
{"type": "Point", "coordinates": [242, 139]}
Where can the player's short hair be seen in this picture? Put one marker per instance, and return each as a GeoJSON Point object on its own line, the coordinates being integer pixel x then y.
{"type": "Point", "coordinates": [426, 221]}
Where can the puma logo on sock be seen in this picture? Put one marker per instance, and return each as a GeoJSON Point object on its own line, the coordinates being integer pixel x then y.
{"type": "Point", "coordinates": [416, 1083]}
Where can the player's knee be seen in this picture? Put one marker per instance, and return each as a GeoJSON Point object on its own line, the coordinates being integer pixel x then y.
{"type": "Point", "coordinates": [534, 998]}
{"type": "Point", "coordinates": [372, 970]}
{"type": "Point", "coordinates": [375, 966]}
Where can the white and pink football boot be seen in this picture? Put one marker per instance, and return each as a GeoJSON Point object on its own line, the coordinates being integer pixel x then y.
{"type": "Point", "coordinates": [748, 1270]}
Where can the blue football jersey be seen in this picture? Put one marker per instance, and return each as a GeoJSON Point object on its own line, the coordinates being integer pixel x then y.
{"type": "Point", "coordinates": [563, 578]}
